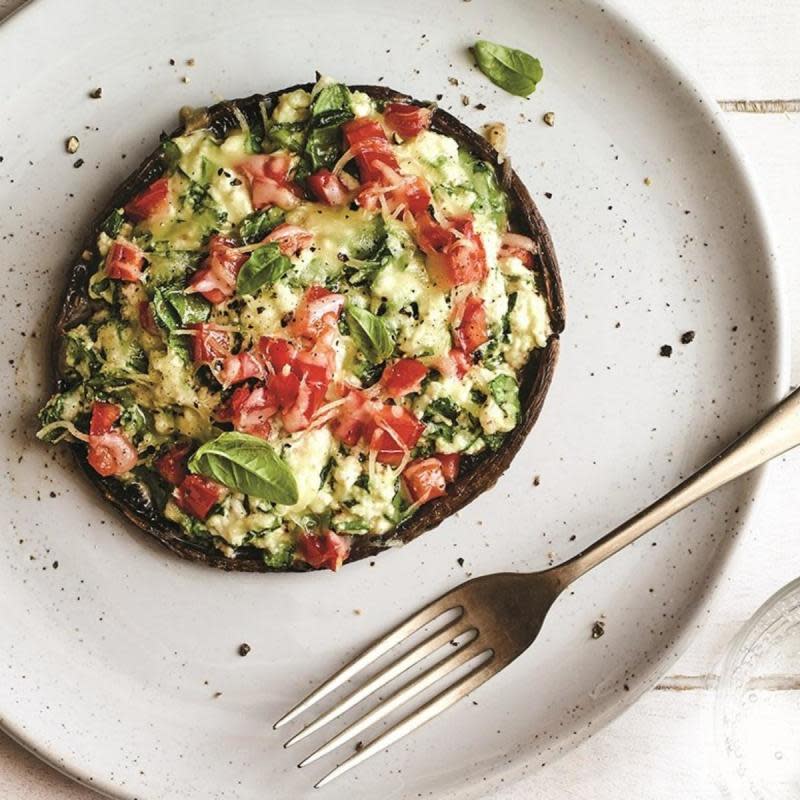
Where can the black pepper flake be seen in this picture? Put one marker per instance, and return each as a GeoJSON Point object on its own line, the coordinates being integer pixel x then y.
{"type": "Point", "coordinates": [343, 257]}
{"type": "Point", "coordinates": [244, 649]}
{"type": "Point", "coordinates": [236, 182]}
{"type": "Point", "coordinates": [480, 106]}
{"type": "Point", "coordinates": [666, 350]}
{"type": "Point", "coordinates": [439, 96]}
{"type": "Point", "coordinates": [52, 494]}
{"type": "Point", "coordinates": [536, 480]}
{"type": "Point", "coordinates": [598, 629]}
{"type": "Point", "coordinates": [97, 93]}
{"type": "Point", "coordinates": [460, 561]}
{"type": "Point", "coordinates": [172, 62]}
{"type": "Point", "coordinates": [687, 337]}
{"type": "Point", "coordinates": [78, 163]}
{"type": "Point", "coordinates": [548, 195]}
{"type": "Point", "coordinates": [55, 565]}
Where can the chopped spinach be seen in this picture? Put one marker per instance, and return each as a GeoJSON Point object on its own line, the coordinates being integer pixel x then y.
{"type": "Point", "coordinates": [254, 227]}
{"type": "Point", "coordinates": [505, 392]}
{"type": "Point", "coordinates": [113, 222]}
{"type": "Point", "coordinates": [442, 407]}
{"type": "Point", "coordinates": [280, 558]}
{"type": "Point", "coordinates": [287, 136]}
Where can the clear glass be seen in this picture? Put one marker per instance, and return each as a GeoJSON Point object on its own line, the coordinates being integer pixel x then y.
{"type": "Point", "coordinates": [757, 711]}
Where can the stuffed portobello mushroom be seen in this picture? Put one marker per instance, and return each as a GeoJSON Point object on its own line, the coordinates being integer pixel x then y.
{"type": "Point", "coordinates": [312, 324]}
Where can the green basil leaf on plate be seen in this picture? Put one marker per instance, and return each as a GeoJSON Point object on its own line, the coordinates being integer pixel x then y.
{"type": "Point", "coordinates": [265, 266]}
{"type": "Point", "coordinates": [370, 333]}
{"type": "Point", "coordinates": [246, 464]}
{"type": "Point", "coordinates": [513, 70]}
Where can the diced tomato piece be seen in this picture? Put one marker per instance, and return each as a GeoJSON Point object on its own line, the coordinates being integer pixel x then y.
{"type": "Point", "coordinates": [362, 128]}
{"type": "Point", "coordinates": [515, 245]}
{"type": "Point", "coordinates": [275, 165]}
{"type": "Point", "coordinates": [104, 415]}
{"type": "Point", "coordinates": [309, 398]}
{"type": "Point", "coordinates": [197, 495]}
{"type": "Point", "coordinates": [238, 368]}
{"type": "Point", "coordinates": [268, 192]}
{"type": "Point", "coordinates": [312, 369]}
{"type": "Point", "coordinates": [327, 188]}
{"type": "Point", "coordinates": [227, 411]}
{"type": "Point", "coordinates": [406, 430]}
{"type": "Point", "coordinates": [147, 320]}
{"type": "Point", "coordinates": [253, 410]}
{"type": "Point", "coordinates": [318, 308]}
{"type": "Point", "coordinates": [153, 200]}
{"type": "Point", "coordinates": [402, 377]}
{"type": "Point", "coordinates": [431, 236]}
{"type": "Point", "coordinates": [424, 480]}
{"type": "Point", "coordinates": [269, 181]}
{"type": "Point", "coordinates": [453, 364]}
{"type": "Point", "coordinates": [291, 239]}
{"type": "Point", "coordinates": [124, 261]}
{"type": "Point", "coordinates": [285, 386]}
{"type": "Point", "coordinates": [327, 549]}
{"type": "Point", "coordinates": [367, 139]}
{"type": "Point", "coordinates": [352, 419]}
{"type": "Point", "coordinates": [277, 353]}
{"type": "Point", "coordinates": [461, 362]}
{"type": "Point", "coordinates": [111, 453]}
{"type": "Point", "coordinates": [407, 119]}
{"type": "Point", "coordinates": [172, 465]}
{"type": "Point", "coordinates": [209, 343]}
{"type": "Point", "coordinates": [410, 192]}
{"type": "Point", "coordinates": [462, 261]}
{"type": "Point", "coordinates": [451, 463]}
{"type": "Point", "coordinates": [413, 194]}
{"type": "Point", "coordinates": [216, 280]}
{"type": "Point", "coordinates": [472, 332]}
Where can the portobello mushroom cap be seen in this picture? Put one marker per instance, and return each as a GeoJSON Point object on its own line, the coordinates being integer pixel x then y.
{"type": "Point", "coordinates": [478, 473]}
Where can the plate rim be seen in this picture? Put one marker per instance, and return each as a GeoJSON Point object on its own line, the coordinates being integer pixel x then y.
{"type": "Point", "coordinates": [509, 774]}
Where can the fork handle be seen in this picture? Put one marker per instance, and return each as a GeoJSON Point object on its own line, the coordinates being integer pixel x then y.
{"type": "Point", "coordinates": [776, 433]}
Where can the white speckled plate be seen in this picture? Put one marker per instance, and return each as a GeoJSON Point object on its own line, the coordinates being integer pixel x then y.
{"type": "Point", "coordinates": [119, 662]}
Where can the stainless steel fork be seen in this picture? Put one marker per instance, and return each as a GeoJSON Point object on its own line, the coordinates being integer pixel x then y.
{"type": "Point", "coordinates": [497, 617]}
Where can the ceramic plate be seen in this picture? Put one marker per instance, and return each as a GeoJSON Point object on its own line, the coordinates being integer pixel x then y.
{"type": "Point", "coordinates": [120, 662]}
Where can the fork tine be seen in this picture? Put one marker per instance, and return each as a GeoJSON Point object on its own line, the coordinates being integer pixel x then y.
{"type": "Point", "coordinates": [375, 651]}
{"type": "Point", "coordinates": [455, 629]}
{"type": "Point", "coordinates": [462, 687]}
{"type": "Point", "coordinates": [458, 657]}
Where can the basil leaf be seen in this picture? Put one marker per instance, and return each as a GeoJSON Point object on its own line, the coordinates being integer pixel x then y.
{"type": "Point", "coordinates": [323, 147]}
{"type": "Point", "coordinates": [265, 265]}
{"type": "Point", "coordinates": [191, 308]}
{"type": "Point", "coordinates": [512, 70]}
{"type": "Point", "coordinates": [370, 334]}
{"type": "Point", "coordinates": [331, 107]}
{"type": "Point", "coordinates": [246, 464]}
{"type": "Point", "coordinates": [173, 308]}
{"type": "Point", "coordinates": [505, 392]}
{"type": "Point", "coordinates": [254, 227]}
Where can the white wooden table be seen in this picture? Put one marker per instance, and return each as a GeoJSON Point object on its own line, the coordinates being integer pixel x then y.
{"type": "Point", "coordinates": [662, 748]}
